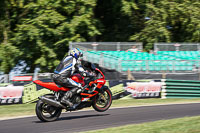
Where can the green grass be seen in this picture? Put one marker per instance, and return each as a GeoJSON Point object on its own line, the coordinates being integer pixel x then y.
{"type": "Point", "coordinates": [29, 109]}
{"type": "Point", "coordinates": [17, 110]}
{"type": "Point", "coordinates": [151, 101]}
{"type": "Point", "coordinates": [180, 125]}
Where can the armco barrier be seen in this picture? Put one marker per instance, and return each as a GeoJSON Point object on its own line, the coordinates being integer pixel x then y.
{"type": "Point", "coordinates": [119, 88]}
{"type": "Point", "coordinates": [180, 88]}
{"type": "Point", "coordinates": [150, 89]}
{"type": "Point", "coordinates": [10, 94]}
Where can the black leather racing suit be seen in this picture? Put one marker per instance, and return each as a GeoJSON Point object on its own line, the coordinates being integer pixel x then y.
{"type": "Point", "coordinates": [62, 74]}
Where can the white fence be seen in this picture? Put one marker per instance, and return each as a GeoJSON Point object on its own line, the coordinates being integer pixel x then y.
{"type": "Point", "coordinates": [106, 46]}
{"type": "Point", "coordinates": [176, 47]}
{"type": "Point", "coordinates": [95, 52]}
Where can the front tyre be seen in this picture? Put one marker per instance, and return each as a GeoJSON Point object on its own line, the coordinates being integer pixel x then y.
{"type": "Point", "coordinates": [46, 112]}
{"type": "Point", "coordinates": [102, 101]}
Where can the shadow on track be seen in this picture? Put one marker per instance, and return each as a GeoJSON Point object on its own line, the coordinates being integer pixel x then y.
{"type": "Point", "coordinates": [76, 117]}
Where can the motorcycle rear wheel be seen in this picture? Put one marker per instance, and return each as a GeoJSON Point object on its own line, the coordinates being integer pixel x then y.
{"type": "Point", "coordinates": [102, 101]}
{"type": "Point", "coordinates": [46, 112]}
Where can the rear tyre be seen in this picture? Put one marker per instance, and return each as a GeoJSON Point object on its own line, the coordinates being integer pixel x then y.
{"type": "Point", "coordinates": [46, 112]}
{"type": "Point", "coordinates": [102, 101]}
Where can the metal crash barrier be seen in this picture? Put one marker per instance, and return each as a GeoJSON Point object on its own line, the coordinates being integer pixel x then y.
{"type": "Point", "coordinates": [121, 89]}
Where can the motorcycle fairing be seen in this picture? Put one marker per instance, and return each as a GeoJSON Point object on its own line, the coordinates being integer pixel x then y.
{"type": "Point", "coordinates": [51, 86]}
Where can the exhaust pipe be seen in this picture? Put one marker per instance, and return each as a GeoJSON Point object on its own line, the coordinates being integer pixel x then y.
{"type": "Point", "coordinates": [51, 102]}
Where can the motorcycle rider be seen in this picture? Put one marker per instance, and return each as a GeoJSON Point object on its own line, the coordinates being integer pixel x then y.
{"type": "Point", "coordinates": [64, 70]}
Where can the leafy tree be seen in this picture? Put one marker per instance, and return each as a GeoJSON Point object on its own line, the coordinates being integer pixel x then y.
{"type": "Point", "coordinates": [8, 56]}
{"type": "Point", "coordinates": [39, 31]}
{"type": "Point", "coordinates": [170, 21]}
{"type": "Point", "coordinates": [119, 19]}
{"type": "Point", "coordinates": [44, 29]}
{"type": "Point", "coordinates": [8, 52]}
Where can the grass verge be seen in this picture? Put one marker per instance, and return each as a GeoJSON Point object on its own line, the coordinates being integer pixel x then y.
{"type": "Point", "coordinates": [151, 101]}
{"type": "Point", "coordinates": [29, 109]}
{"type": "Point", "coordinates": [180, 125]}
{"type": "Point", "coordinates": [17, 110]}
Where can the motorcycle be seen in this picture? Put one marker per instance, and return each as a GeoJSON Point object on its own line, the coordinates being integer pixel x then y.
{"type": "Point", "coordinates": [94, 93]}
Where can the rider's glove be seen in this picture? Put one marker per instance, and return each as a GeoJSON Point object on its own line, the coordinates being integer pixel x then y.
{"type": "Point", "coordinates": [86, 74]}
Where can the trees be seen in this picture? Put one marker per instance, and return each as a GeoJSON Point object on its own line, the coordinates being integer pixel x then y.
{"type": "Point", "coordinates": [119, 19]}
{"type": "Point", "coordinates": [39, 31]}
{"type": "Point", "coordinates": [44, 28]}
{"type": "Point", "coordinates": [8, 52]}
{"type": "Point", "coordinates": [149, 21]}
{"type": "Point", "coordinates": [170, 21]}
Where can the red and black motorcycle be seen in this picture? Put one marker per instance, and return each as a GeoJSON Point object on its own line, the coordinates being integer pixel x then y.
{"type": "Point", "coordinates": [95, 94]}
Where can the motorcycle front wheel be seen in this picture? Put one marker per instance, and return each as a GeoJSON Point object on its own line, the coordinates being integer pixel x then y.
{"type": "Point", "coordinates": [102, 101]}
{"type": "Point", "coordinates": [46, 112]}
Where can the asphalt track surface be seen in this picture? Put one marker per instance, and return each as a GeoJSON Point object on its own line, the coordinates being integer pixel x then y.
{"type": "Point", "coordinates": [90, 120]}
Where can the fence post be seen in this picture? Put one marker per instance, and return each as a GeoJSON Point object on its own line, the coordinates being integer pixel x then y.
{"type": "Point", "coordinates": [173, 66]}
{"type": "Point", "coordinates": [147, 66]}
{"type": "Point", "coordinates": [118, 46]}
{"type": "Point", "coordinates": [155, 48]}
{"type": "Point", "coordinates": [163, 75]}
{"type": "Point", "coordinates": [70, 45]}
{"type": "Point", "coordinates": [94, 46]}
{"type": "Point", "coordinates": [6, 78]}
{"type": "Point", "coordinates": [35, 76]}
{"type": "Point", "coordinates": [199, 69]}
{"type": "Point", "coordinates": [120, 65]}
{"type": "Point", "coordinates": [129, 75]}
{"type": "Point", "coordinates": [85, 55]}
{"type": "Point", "coordinates": [101, 60]}
{"type": "Point", "coordinates": [167, 68]}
